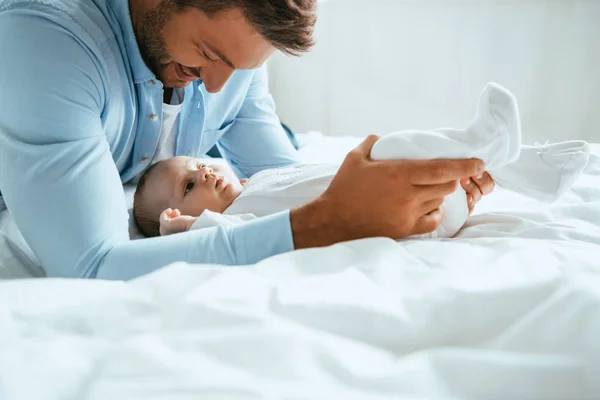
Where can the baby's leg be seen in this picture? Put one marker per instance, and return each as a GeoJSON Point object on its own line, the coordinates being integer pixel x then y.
{"type": "Point", "coordinates": [494, 137]}
{"type": "Point", "coordinates": [544, 172]}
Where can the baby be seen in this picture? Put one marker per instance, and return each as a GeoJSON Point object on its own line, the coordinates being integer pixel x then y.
{"type": "Point", "coordinates": [182, 193]}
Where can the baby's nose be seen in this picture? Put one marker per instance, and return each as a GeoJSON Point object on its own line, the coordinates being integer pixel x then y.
{"type": "Point", "coordinates": [206, 171]}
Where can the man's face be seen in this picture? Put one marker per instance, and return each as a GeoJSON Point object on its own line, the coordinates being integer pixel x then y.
{"type": "Point", "coordinates": [181, 46]}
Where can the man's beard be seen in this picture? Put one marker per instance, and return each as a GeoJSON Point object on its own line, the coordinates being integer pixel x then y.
{"type": "Point", "coordinates": [149, 33]}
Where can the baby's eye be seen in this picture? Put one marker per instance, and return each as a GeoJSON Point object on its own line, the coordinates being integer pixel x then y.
{"type": "Point", "coordinates": [188, 188]}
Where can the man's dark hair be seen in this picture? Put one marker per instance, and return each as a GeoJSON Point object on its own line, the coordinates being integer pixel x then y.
{"type": "Point", "coordinates": [287, 24]}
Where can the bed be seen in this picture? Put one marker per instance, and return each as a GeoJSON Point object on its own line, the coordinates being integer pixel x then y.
{"type": "Point", "coordinates": [510, 309]}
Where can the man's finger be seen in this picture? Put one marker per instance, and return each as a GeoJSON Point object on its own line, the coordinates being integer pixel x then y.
{"type": "Point", "coordinates": [431, 172]}
{"type": "Point", "coordinates": [365, 147]}
{"type": "Point", "coordinates": [430, 222]}
{"type": "Point", "coordinates": [432, 205]}
{"type": "Point", "coordinates": [431, 192]}
{"type": "Point", "coordinates": [485, 183]}
{"type": "Point", "coordinates": [473, 189]}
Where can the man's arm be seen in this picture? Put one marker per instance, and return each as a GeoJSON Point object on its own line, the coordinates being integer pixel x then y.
{"type": "Point", "coordinates": [256, 140]}
{"type": "Point", "coordinates": [58, 177]}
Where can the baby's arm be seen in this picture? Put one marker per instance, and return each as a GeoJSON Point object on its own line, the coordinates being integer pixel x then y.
{"type": "Point", "coordinates": [171, 221]}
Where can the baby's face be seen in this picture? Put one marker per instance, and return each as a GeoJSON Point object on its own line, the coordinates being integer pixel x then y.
{"type": "Point", "coordinates": [192, 187]}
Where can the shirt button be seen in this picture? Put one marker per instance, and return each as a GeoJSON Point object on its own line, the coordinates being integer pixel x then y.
{"type": "Point", "coordinates": [153, 117]}
{"type": "Point", "coordinates": [145, 159]}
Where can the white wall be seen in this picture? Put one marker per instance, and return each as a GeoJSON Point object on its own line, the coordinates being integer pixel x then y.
{"type": "Point", "coordinates": [385, 65]}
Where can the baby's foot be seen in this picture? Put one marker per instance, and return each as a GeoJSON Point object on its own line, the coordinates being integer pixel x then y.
{"type": "Point", "coordinates": [494, 136]}
{"type": "Point", "coordinates": [171, 221]}
{"type": "Point", "coordinates": [545, 171]}
{"type": "Point", "coordinates": [497, 120]}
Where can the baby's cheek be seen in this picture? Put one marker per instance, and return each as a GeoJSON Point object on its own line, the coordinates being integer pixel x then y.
{"type": "Point", "coordinates": [209, 200]}
{"type": "Point", "coordinates": [193, 204]}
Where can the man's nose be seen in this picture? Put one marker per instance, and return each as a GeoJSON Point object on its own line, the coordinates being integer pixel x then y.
{"type": "Point", "coordinates": [215, 76]}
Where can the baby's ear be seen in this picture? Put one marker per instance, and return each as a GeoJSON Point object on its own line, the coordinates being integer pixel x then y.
{"type": "Point", "coordinates": [243, 181]}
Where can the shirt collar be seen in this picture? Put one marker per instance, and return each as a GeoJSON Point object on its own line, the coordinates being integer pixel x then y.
{"type": "Point", "coordinates": [141, 73]}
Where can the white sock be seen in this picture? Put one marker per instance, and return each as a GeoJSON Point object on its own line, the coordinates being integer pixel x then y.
{"type": "Point", "coordinates": [544, 172]}
{"type": "Point", "coordinates": [494, 137]}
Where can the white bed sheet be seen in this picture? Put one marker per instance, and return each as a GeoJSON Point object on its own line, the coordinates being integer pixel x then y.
{"type": "Point", "coordinates": [510, 309]}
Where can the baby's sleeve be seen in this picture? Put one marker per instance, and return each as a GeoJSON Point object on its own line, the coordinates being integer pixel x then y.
{"type": "Point", "coordinates": [210, 219]}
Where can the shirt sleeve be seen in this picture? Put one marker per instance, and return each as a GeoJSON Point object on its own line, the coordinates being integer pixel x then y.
{"type": "Point", "coordinates": [256, 141]}
{"type": "Point", "coordinates": [58, 177]}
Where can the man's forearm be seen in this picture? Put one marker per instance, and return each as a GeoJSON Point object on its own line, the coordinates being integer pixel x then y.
{"type": "Point", "coordinates": [245, 244]}
{"type": "Point", "coordinates": [317, 225]}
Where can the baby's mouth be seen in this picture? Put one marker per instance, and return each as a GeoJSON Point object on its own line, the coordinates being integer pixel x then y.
{"type": "Point", "coordinates": [220, 182]}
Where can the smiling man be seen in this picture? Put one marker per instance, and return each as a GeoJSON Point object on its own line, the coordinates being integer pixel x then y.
{"type": "Point", "coordinates": [94, 92]}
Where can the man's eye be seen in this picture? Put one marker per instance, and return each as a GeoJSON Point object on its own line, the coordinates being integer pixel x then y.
{"type": "Point", "coordinates": [207, 56]}
{"type": "Point", "coordinates": [188, 188]}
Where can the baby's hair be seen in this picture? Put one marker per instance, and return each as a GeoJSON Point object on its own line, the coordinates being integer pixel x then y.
{"type": "Point", "coordinates": [144, 217]}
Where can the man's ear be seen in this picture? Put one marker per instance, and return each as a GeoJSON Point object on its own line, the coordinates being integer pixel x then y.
{"type": "Point", "coordinates": [243, 181]}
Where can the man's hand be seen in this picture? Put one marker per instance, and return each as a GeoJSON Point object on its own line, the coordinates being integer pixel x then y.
{"type": "Point", "coordinates": [477, 187]}
{"type": "Point", "coordinates": [370, 198]}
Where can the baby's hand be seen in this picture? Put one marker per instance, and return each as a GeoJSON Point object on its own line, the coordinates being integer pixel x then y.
{"type": "Point", "coordinates": [171, 221]}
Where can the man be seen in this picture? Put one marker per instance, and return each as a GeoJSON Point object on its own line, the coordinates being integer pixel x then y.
{"type": "Point", "coordinates": [81, 110]}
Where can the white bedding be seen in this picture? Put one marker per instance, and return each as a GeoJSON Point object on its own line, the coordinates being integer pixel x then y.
{"type": "Point", "coordinates": [509, 310]}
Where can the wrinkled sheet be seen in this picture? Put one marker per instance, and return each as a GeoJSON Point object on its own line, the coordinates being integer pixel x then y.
{"type": "Point", "coordinates": [510, 309]}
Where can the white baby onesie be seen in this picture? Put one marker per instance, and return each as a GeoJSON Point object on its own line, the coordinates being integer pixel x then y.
{"type": "Point", "coordinates": [541, 172]}
{"type": "Point", "coordinates": [272, 191]}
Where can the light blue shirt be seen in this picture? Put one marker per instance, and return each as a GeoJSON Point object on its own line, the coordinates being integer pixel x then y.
{"type": "Point", "coordinates": [80, 113]}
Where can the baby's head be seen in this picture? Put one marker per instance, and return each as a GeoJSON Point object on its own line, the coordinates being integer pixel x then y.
{"type": "Point", "coordinates": [184, 183]}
